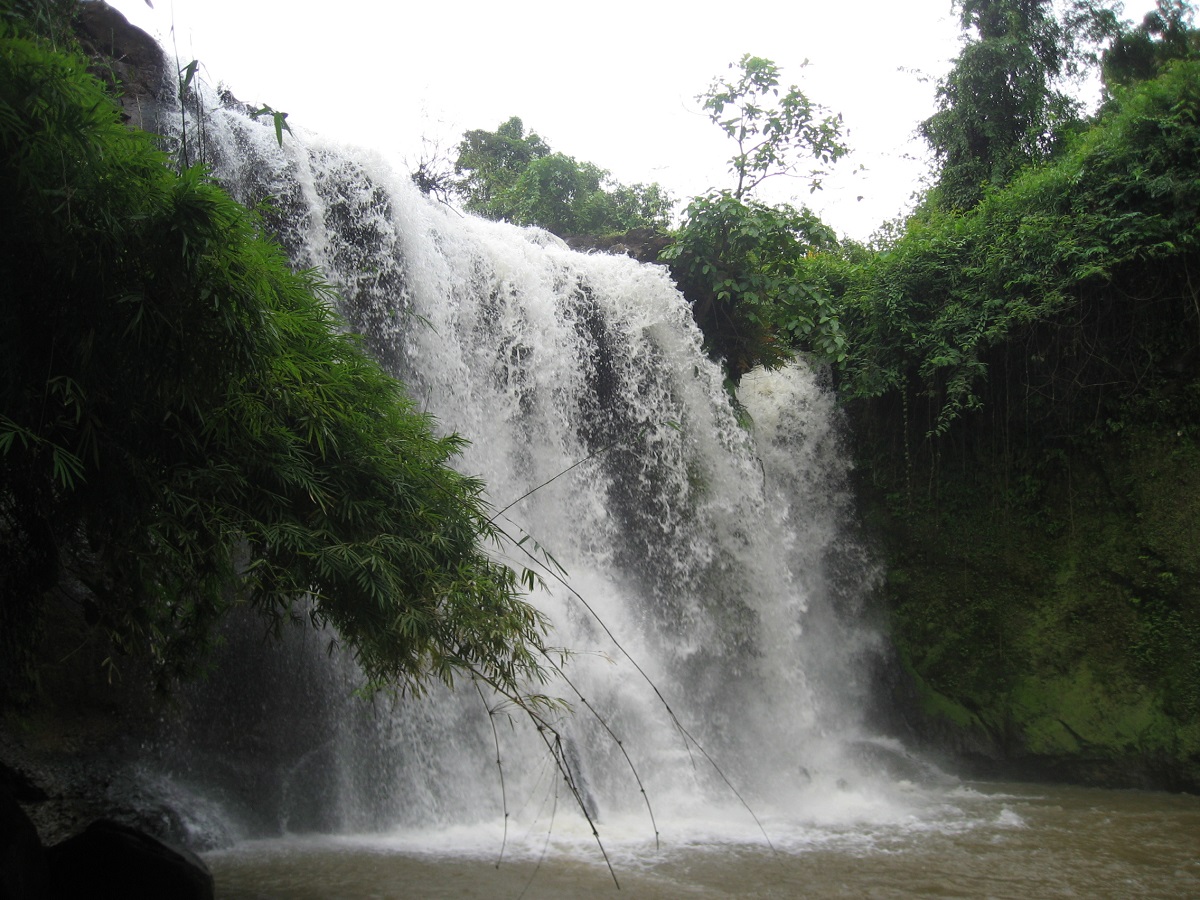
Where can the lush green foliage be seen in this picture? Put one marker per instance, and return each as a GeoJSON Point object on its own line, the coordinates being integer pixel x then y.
{"type": "Point", "coordinates": [513, 176]}
{"type": "Point", "coordinates": [742, 265]}
{"type": "Point", "coordinates": [741, 262]}
{"type": "Point", "coordinates": [771, 140]}
{"type": "Point", "coordinates": [52, 20]}
{"type": "Point", "coordinates": [184, 425]}
{"type": "Point", "coordinates": [1052, 613]}
{"type": "Point", "coordinates": [567, 197]}
{"type": "Point", "coordinates": [1001, 108]}
{"type": "Point", "coordinates": [1080, 274]}
{"type": "Point", "coordinates": [490, 162]}
{"type": "Point", "coordinates": [1139, 54]}
{"type": "Point", "coordinates": [1025, 381]}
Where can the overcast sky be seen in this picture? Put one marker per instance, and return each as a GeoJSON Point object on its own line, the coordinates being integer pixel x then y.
{"type": "Point", "coordinates": [613, 82]}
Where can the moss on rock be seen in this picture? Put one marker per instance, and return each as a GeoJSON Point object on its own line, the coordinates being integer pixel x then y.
{"type": "Point", "coordinates": [1053, 613]}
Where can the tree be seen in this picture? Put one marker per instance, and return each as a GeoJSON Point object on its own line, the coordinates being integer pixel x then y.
{"type": "Point", "coordinates": [1139, 54]}
{"type": "Point", "coordinates": [743, 265]}
{"type": "Point", "coordinates": [567, 197]}
{"type": "Point", "coordinates": [490, 162]}
{"type": "Point", "coordinates": [1072, 286]}
{"type": "Point", "coordinates": [1001, 107]}
{"type": "Point", "coordinates": [185, 425]}
{"type": "Point", "coordinates": [510, 176]}
{"type": "Point", "coordinates": [771, 140]}
{"type": "Point", "coordinates": [741, 261]}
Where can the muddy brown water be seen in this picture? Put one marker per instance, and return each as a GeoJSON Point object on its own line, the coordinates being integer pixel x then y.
{"type": "Point", "coordinates": [989, 841]}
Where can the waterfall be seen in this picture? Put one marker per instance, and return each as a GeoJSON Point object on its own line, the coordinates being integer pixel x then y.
{"type": "Point", "coordinates": [710, 589]}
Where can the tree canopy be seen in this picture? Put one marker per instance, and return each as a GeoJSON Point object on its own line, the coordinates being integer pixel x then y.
{"type": "Point", "coordinates": [512, 176]}
{"type": "Point", "coordinates": [1140, 53]}
{"type": "Point", "coordinates": [185, 425]}
{"type": "Point", "coordinates": [772, 140]}
{"type": "Point", "coordinates": [741, 262]}
{"type": "Point", "coordinates": [1002, 106]}
{"type": "Point", "coordinates": [1084, 263]}
{"type": "Point", "coordinates": [738, 259]}
{"type": "Point", "coordinates": [490, 162]}
{"type": "Point", "coordinates": [1058, 312]}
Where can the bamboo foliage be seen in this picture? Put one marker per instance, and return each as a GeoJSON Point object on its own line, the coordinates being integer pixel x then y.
{"type": "Point", "coordinates": [185, 425]}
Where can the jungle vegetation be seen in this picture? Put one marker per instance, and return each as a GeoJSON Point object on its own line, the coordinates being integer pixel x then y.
{"type": "Point", "coordinates": [1020, 363]}
{"type": "Point", "coordinates": [186, 426]}
{"type": "Point", "coordinates": [1019, 360]}
{"type": "Point", "coordinates": [511, 175]}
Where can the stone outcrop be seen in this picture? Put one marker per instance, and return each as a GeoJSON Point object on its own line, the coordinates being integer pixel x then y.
{"type": "Point", "coordinates": [643, 244]}
{"type": "Point", "coordinates": [105, 860]}
{"type": "Point", "coordinates": [126, 58]}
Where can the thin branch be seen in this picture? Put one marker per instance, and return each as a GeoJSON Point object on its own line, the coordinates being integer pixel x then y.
{"type": "Point", "coordinates": [543, 725]}
{"type": "Point", "coordinates": [545, 729]}
{"type": "Point", "coordinates": [499, 768]}
{"type": "Point", "coordinates": [573, 465]}
{"type": "Point", "coordinates": [687, 735]}
{"type": "Point", "coordinates": [545, 846]}
{"type": "Point", "coordinates": [604, 724]}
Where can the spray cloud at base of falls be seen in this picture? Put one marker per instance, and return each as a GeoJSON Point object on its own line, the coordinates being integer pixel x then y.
{"type": "Point", "coordinates": [716, 552]}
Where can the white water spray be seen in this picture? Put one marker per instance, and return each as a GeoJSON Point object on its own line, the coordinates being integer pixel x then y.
{"type": "Point", "coordinates": [714, 551]}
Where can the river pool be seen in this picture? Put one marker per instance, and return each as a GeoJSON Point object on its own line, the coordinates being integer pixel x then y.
{"type": "Point", "coordinates": [972, 840]}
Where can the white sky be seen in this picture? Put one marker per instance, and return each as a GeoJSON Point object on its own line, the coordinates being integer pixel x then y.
{"type": "Point", "coordinates": [613, 81]}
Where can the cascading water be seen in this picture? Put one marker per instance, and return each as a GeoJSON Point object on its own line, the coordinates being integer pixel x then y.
{"type": "Point", "coordinates": [709, 551]}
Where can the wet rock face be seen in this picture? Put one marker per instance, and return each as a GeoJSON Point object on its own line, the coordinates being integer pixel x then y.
{"type": "Point", "coordinates": [126, 58]}
{"type": "Point", "coordinates": [643, 244]}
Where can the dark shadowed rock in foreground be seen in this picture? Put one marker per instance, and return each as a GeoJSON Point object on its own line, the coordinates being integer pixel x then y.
{"type": "Point", "coordinates": [109, 861]}
{"type": "Point", "coordinates": [23, 873]}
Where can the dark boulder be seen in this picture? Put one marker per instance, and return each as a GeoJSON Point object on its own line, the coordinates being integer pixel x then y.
{"type": "Point", "coordinates": [23, 873]}
{"type": "Point", "coordinates": [110, 861]}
